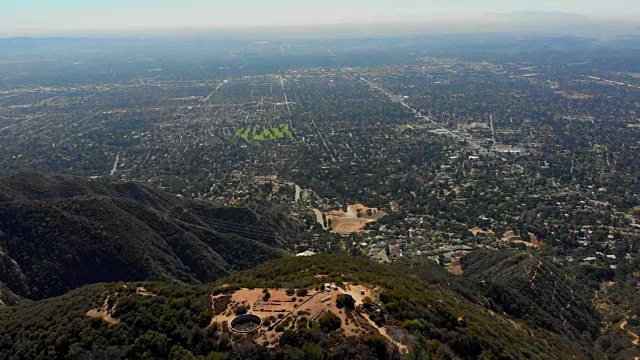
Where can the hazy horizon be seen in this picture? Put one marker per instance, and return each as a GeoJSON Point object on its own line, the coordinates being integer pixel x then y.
{"type": "Point", "coordinates": [73, 17]}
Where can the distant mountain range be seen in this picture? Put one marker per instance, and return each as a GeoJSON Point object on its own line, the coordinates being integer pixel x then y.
{"type": "Point", "coordinates": [546, 13]}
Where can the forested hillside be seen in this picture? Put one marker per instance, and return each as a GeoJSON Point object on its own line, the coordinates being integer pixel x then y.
{"type": "Point", "coordinates": [7, 297]}
{"type": "Point", "coordinates": [533, 289]}
{"type": "Point", "coordinates": [61, 232]}
{"type": "Point", "coordinates": [422, 310]}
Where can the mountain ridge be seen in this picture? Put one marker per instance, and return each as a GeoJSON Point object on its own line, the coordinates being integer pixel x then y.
{"type": "Point", "coordinates": [60, 232]}
{"type": "Point", "coordinates": [422, 310]}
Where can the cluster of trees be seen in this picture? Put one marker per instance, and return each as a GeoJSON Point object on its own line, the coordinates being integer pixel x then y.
{"type": "Point", "coordinates": [176, 317]}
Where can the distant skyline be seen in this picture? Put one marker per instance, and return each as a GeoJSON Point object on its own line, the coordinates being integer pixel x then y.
{"type": "Point", "coordinates": [47, 17]}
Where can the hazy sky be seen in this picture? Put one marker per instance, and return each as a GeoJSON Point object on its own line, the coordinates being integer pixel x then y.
{"type": "Point", "coordinates": [21, 17]}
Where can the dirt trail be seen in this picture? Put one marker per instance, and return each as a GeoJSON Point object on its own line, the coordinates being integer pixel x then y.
{"type": "Point", "coordinates": [636, 338]}
{"type": "Point", "coordinates": [144, 292]}
{"type": "Point", "coordinates": [535, 272]}
{"type": "Point", "coordinates": [105, 311]}
{"type": "Point", "coordinates": [383, 332]}
{"type": "Point", "coordinates": [359, 297]}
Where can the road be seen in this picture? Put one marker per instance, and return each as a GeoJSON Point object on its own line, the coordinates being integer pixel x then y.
{"type": "Point", "coordinates": [319, 218]}
{"type": "Point", "coordinates": [115, 165]}
{"type": "Point", "coordinates": [286, 102]}
{"type": "Point", "coordinates": [326, 147]}
{"type": "Point", "coordinates": [396, 99]}
{"type": "Point", "coordinates": [493, 130]}
{"type": "Point", "coordinates": [213, 92]}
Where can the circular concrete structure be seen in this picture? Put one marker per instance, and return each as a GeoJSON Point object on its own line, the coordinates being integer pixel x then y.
{"type": "Point", "coordinates": [245, 323]}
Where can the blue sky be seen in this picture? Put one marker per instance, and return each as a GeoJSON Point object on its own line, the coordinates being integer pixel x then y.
{"type": "Point", "coordinates": [19, 17]}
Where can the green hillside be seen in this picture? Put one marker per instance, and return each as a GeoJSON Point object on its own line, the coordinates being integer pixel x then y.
{"type": "Point", "coordinates": [528, 287]}
{"type": "Point", "coordinates": [418, 304]}
{"type": "Point", "coordinates": [61, 232]}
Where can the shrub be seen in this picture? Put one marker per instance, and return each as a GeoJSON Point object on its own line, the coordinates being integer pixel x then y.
{"type": "Point", "coordinates": [302, 323]}
{"type": "Point", "coordinates": [411, 325]}
{"type": "Point", "coordinates": [302, 292]}
{"type": "Point", "coordinates": [241, 310]}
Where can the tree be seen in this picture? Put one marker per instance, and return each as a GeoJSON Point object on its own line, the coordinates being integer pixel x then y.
{"type": "Point", "coordinates": [329, 322]}
{"type": "Point", "coordinates": [377, 344]}
{"type": "Point", "coordinates": [312, 351]}
{"type": "Point", "coordinates": [152, 344]}
{"type": "Point", "coordinates": [417, 351]}
{"type": "Point", "coordinates": [179, 353]}
{"type": "Point", "coordinates": [345, 301]}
